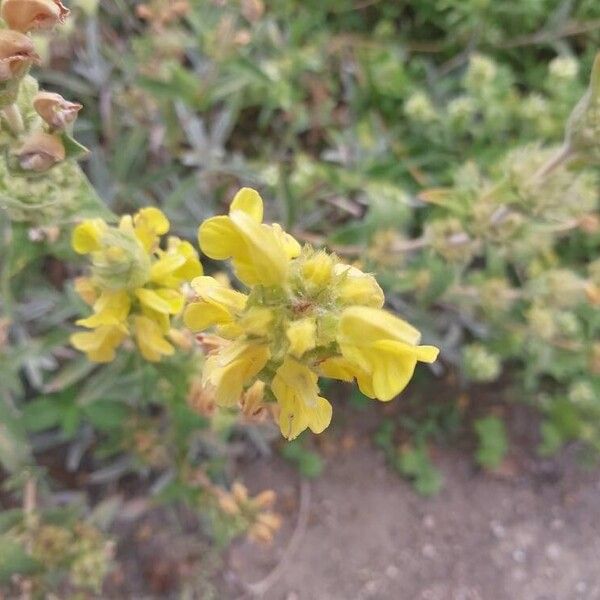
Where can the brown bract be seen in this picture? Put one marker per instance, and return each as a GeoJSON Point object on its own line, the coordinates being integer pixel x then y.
{"type": "Point", "coordinates": [16, 54]}
{"type": "Point", "coordinates": [40, 151]}
{"type": "Point", "coordinates": [28, 15]}
{"type": "Point", "coordinates": [55, 110]}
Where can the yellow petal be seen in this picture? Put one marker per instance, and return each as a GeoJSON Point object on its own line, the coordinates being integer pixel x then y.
{"type": "Point", "coordinates": [296, 390]}
{"type": "Point", "coordinates": [87, 236]}
{"type": "Point", "coordinates": [248, 201]}
{"type": "Point", "coordinates": [337, 368]}
{"type": "Point", "coordinates": [201, 315]}
{"type": "Point", "coordinates": [319, 416]}
{"type": "Point", "coordinates": [232, 367]}
{"type": "Point", "coordinates": [302, 336]}
{"type": "Point", "coordinates": [165, 266]}
{"type": "Point", "coordinates": [358, 288]}
{"type": "Point", "coordinates": [163, 300]}
{"type": "Point", "coordinates": [261, 259]}
{"type": "Point", "coordinates": [111, 308]}
{"type": "Point", "coordinates": [86, 290]}
{"type": "Point", "coordinates": [213, 291]}
{"type": "Point", "coordinates": [153, 219]}
{"type": "Point", "coordinates": [101, 343]}
{"type": "Point", "coordinates": [427, 354]}
{"type": "Point", "coordinates": [149, 224]}
{"type": "Point", "coordinates": [150, 340]}
{"type": "Point", "coordinates": [219, 239]}
{"type": "Point", "coordinates": [364, 325]}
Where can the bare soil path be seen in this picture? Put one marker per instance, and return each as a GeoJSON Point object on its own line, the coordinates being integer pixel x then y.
{"type": "Point", "coordinates": [528, 532]}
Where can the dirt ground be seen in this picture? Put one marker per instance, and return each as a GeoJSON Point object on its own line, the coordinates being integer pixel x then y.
{"type": "Point", "coordinates": [530, 531]}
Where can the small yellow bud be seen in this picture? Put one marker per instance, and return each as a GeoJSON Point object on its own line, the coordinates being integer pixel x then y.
{"type": "Point", "coordinates": [16, 54]}
{"type": "Point", "coordinates": [27, 15]}
{"type": "Point", "coordinates": [55, 110]}
{"type": "Point", "coordinates": [302, 336]}
{"type": "Point", "coordinates": [318, 269]}
{"type": "Point", "coordinates": [40, 151]}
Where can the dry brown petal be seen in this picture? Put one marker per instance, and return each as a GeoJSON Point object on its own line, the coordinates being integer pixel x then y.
{"type": "Point", "coordinates": [270, 519]}
{"type": "Point", "coordinates": [16, 54]}
{"type": "Point", "coordinates": [55, 110]}
{"type": "Point", "coordinates": [260, 533]}
{"type": "Point", "coordinates": [27, 15]}
{"type": "Point", "coordinates": [240, 492]}
{"type": "Point", "coordinates": [40, 151]}
{"type": "Point", "coordinates": [265, 499]}
{"type": "Point", "coordinates": [228, 504]}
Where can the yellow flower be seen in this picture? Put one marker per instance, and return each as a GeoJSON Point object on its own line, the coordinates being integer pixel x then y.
{"type": "Point", "coordinates": [306, 315]}
{"type": "Point", "coordinates": [297, 393]}
{"type": "Point", "coordinates": [101, 343]}
{"type": "Point", "coordinates": [260, 253]}
{"type": "Point", "coordinates": [382, 349]}
{"type": "Point", "coordinates": [215, 304]}
{"type": "Point", "coordinates": [150, 339]}
{"type": "Point", "coordinates": [233, 367]}
{"type": "Point", "coordinates": [135, 285]}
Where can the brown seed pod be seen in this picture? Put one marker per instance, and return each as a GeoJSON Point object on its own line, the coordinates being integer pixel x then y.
{"type": "Point", "coordinates": [40, 151]}
{"type": "Point", "coordinates": [28, 15]}
{"type": "Point", "coordinates": [16, 54]}
{"type": "Point", "coordinates": [55, 110]}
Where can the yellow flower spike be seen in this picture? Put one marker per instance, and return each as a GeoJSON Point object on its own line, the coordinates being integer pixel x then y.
{"type": "Point", "coordinates": [302, 336]}
{"type": "Point", "coordinates": [297, 393]}
{"type": "Point", "coordinates": [111, 308]}
{"type": "Point", "coordinates": [149, 224]}
{"type": "Point", "coordinates": [260, 254]}
{"type": "Point", "coordinates": [134, 284]}
{"type": "Point", "coordinates": [87, 236]}
{"type": "Point", "coordinates": [232, 367]}
{"type": "Point", "coordinates": [150, 339]}
{"type": "Point", "coordinates": [100, 344]}
{"type": "Point", "coordinates": [383, 347]}
{"type": "Point", "coordinates": [356, 287]}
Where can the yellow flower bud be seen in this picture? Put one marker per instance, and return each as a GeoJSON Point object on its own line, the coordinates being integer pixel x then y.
{"type": "Point", "coordinates": [302, 336]}
{"type": "Point", "coordinates": [40, 151]}
{"type": "Point", "coordinates": [16, 54]}
{"type": "Point", "coordinates": [318, 269]}
{"type": "Point", "coordinates": [27, 15]}
{"type": "Point", "coordinates": [55, 110]}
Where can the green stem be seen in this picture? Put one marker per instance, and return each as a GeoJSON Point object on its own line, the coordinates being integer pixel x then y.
{"type": "Point", "coordinates": [12, 114]}
{"type": "Point", "coordinates": [5, 288]}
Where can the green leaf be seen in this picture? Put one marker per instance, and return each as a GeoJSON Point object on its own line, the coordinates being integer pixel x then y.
{"type": "Point", "coordinates": [15, 452]}
{"type": "Point", "coordinates": [43, 413]}
{"type": "Point", "coordinates": [14, 560]}
{"type": "Point", "coordinates": [107, 415]}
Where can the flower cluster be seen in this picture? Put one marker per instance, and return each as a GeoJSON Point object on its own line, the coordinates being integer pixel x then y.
{"type": "Point", "coordinates": [305, 315]}
{"type": "Point", "coordinates": [40, 143]}
{"type": "Point", "coordinates": [134, 286]}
